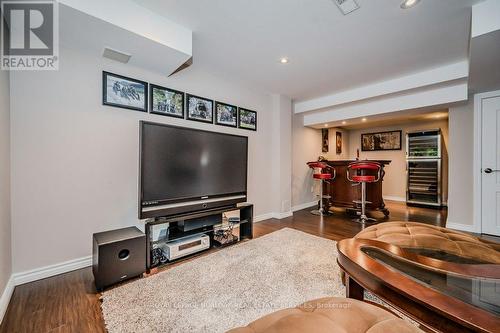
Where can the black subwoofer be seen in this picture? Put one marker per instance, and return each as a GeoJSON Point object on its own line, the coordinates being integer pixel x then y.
{"type": "Point", "coordinates": [118, 255]}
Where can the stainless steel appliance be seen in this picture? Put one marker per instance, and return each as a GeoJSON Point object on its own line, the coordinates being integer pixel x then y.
{"type": "Point", "coordinates": [423, 167]}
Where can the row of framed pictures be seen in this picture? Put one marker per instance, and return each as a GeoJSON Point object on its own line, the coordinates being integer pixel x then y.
{"type": "Point", "coordinates": [125, 92]}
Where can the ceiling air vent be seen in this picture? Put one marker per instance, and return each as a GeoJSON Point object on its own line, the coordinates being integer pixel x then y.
{"type": "Point", "coordinates": [116, 55]}
{"type": "Point", "coordinates": [346, 6]}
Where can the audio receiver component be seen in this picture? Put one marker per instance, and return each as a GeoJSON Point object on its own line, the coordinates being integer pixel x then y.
{"type": "Point", "coordinates": [186, 246]}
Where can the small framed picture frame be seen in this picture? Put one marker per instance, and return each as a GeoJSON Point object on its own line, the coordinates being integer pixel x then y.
{"type": "Point", "coordinates": [166, 102]}
{"type": "Point", "coordinates": [338, 143]}
{"type": "Point", "coordinates": [325, 140]}
{"type": "Point", "coordinates": [124, 92]}
{"type": "Point", "coordinates": [200, 109]}
{"type": "Point", "coordinates": [247, 119]}
{"type": "Point", "coordinates": [226, 114]}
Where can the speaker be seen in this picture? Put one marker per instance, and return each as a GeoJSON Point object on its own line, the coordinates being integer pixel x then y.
{"type": "Point", "coordinates": [118, 255]}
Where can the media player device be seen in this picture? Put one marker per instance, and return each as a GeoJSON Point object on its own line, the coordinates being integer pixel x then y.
{"type": "Point", "coordinates": [199, 223]}
{"type": "Point", "coordinates": [186, 246]}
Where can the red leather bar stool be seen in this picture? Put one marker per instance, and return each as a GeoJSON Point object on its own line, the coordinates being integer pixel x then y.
{"type": "Point", "coordinates": [357, 173]}
{"type": "Point", "coordinates": [324, 173]}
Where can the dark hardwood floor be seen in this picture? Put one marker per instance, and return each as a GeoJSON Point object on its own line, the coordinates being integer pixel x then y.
{"type": "Point", "coordinates": [340, 225]}
{"type": "Point", "coordinates": [69, 302]}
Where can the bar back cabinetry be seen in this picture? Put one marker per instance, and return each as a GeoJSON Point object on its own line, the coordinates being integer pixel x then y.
{"type": "Point", "coordinates": [343, 192]}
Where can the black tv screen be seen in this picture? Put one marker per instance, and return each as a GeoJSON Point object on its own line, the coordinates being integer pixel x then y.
{"type": "Point", "coordinates": [183, 164]}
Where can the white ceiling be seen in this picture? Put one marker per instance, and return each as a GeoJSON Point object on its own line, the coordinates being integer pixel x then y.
{"type": "Point", "coordinates": [328, 52]}
{"type": "Point", "coordinates": [94, 25]}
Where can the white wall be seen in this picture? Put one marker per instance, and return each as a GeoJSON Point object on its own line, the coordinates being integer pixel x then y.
{"type": "Point", "coordinates": [281, 163]}
{"type": "Point", "coordinates": [306, 147]}
{"type": "Point", "coordinates": [5, 217]}
{"type": "Point", "coordinates": [395, 177]}
{"type": "Point", "coordinates": [332, 153]}
{"type": "Point", "coordinates": [461, 158]}
{"type": "Point", "coordinates": [75, 161]}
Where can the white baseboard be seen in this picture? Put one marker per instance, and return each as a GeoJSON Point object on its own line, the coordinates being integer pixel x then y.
{"type": "Point", "coordinates": [268, 216]}
{"type": "Point", "coordinates": [51, 270]}
{"type": "Point", "coordinates": [462, 227]}
{"type": "Point", "coordinates": [71, 265]}
{"type": "Point", "coordinates": [5, 298]}
{"type": "Point", "coordinates": [17, 279]}
{"type": "Point", "coordinates": [304, 205]}
{"type": "Point", "coordinates": [394, 198]}
{"type": "Point", "coordinates": [263, 217]}
{"type": "Point", "coordinates": [280, 216]}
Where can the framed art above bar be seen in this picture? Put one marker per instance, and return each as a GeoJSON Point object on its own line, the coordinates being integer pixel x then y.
{"type": "Point", "coordinates": [338, 143]}
{"type": "Point", "coordinates": [200, 109]}
{"type": "Point", "coordinates": [165, 101]}
{"type": "Point", "coordinates": [247, 119]}
{"type": "Point", "coordinates": [381, 141]}
{"type": "Point", "coordinates": [124, 92]}
{"type": "Point", "coordinates": [324, 141]}
{"type": "Point", "coordinates": [226, 114]}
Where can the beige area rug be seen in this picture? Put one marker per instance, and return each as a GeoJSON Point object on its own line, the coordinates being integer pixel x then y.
{"type": "Point", "coordinates": [228, 288]}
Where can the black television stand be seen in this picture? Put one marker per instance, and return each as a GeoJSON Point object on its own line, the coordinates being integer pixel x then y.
{"type": "Point", "coordinates": [170, 228]}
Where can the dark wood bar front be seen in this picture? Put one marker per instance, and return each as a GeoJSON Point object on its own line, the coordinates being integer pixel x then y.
{"type": "Point", "coordinates": [343, 193]}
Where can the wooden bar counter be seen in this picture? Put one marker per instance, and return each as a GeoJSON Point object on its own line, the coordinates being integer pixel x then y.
{"type": "Point", "coordinates": [343, 193]}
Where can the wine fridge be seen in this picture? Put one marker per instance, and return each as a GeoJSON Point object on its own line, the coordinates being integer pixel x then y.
{"type": "Point", "coordinates": [423, 167]}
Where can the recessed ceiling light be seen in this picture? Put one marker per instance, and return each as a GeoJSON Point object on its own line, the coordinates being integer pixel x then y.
{"type": "Point", "coordinates": [284, 60]}
{"type": "Point", "coordinates": [364, 119]}
{"type": "Point", "coordinates": [409, 3]}
{"type": "Point", "coordinates": [344, 122]}
{"type": "Point", "coordinates": [326, 125]}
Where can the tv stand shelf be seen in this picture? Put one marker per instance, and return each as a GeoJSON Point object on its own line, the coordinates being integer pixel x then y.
{"type": "Point", "coordinates": [160, 231]}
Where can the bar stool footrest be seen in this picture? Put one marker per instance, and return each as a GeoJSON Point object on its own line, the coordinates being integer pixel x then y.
{"type": "Point", "coordinates": [365, 220]}
{"type": "Point", "coordinates": [320, 213]}
{"type": "Point", "coordinates": [360, 202]}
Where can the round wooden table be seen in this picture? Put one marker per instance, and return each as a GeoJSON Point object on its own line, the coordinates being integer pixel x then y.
{"type": "Point", "coordinates": [449, 294]}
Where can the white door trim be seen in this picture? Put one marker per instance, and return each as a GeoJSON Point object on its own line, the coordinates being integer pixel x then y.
{"type": "Point", "coordinates": [478, 132]}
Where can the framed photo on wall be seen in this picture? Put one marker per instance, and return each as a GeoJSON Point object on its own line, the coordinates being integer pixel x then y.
{"type": "Point", "coordinates": [165, 101]}
{"type": "Point", "coordinates": [226, 114]}
{"type": "Point", "coordinates": [324, 140]}
{"type": "Point", "coordinates": [247, 119]}
{"type": "Point", "coordinates": [338, 143]}
{"type": "Point", "coordinates": [124, 92]}
{"type": "Point", "coordinates": [381, 141]}
{"type": "Point", "coordinates": [200, 109]}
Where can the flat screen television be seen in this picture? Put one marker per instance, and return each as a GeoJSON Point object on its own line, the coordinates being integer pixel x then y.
{"type": "Point", "coordinates": [184, 170]}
